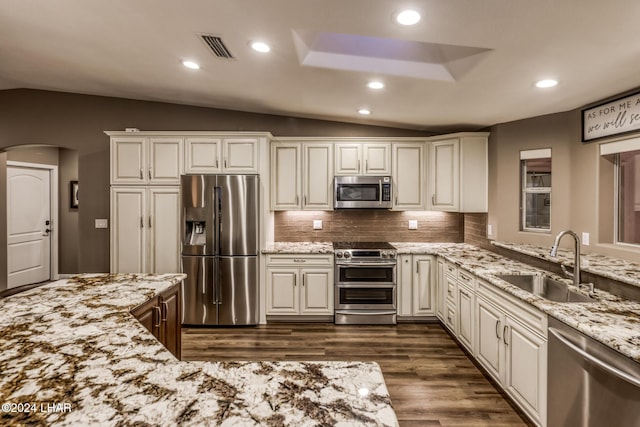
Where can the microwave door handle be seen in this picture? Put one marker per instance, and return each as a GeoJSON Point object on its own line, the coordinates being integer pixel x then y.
{"type": "Point", "coordinates": [380, 192]}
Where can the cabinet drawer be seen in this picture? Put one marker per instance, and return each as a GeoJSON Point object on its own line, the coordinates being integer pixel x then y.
{"type": "Point", "coordinates": [300, 260]}
{"type": "Point", "coordinates": [450, 317]}
{"type": "Point", "coordinates": [466, 278]}
{"type": "Point", "coordinates": [451, 270]}
{"type": "Point", "coordinates": [450, 290]}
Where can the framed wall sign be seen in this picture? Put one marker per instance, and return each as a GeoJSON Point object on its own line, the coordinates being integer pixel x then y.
{"type": "Point", "coordinates": [611, 118]}
{"type": "Point", "coordinates": [73, 194]}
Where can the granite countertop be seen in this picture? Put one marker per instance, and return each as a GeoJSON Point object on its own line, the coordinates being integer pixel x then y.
{"type": "Point", "coordinates": [311, 248]}
{"type": "Point", "coordinates": [72, 354]}
{"type": "Point", "coordinates": [602, 265]}
{"type": "Point", "coordinates": [611, 320]}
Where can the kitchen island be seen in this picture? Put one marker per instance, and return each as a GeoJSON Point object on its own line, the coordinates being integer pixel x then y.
{"type": "Point", "coordinates": [72, 354]}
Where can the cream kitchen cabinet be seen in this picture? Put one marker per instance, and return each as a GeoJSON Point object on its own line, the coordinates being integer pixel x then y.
{"type": "Point", "coordinates": [299, 286]}
{"type": "Point", "coordinates": [220, 154]}
{"type": "Point", "coordinates": [458, 173]}
{"type": "Point", "coordinates": [409, 176]}
{"type": "Point", "coordinates": [465, 303]}
{"type": "Point", "coordinates": [512, 347]}
{"type": "Point", "coordinates": [302, 175]}
{"type": "Point", "coordinates": [155, 160]}
{"type": "Point", "coordinates": [362, 158]}
{"type": "Point", "coordinates": [416, 290]}
{"type": "Point", "coordinates": [145, 230]}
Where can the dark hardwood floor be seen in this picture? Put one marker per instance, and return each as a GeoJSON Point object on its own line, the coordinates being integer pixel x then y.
{"type": "Point", "coordinates": [430, 379]}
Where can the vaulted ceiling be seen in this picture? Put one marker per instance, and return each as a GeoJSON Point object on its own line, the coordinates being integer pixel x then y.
{"type": "Point", "coordinates": [467, 64]}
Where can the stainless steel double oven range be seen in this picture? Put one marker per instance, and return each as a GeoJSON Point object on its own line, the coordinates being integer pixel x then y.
{"type": "Point", "coordinates": [365, 283]}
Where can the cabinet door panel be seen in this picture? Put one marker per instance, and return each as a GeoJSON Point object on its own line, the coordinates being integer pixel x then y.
{"type": "Point", "coordinates": [526, 358]}
{"type": "Point", "coordinates": [445, 173]}
{"type": "Point", "coordinates": [423, 292]}
{"type": "Point", "coordinates": [318, 177]}
{"type": "Point", "coordinates": [285, 176]}
{"type": "Point", "coordinates": [377, 159]}
{"type": "Point", "coordinates": [347, 159]}
{"type": "Point", "coordinates": [240, 155]}
{"type": "Point", "coordinates": [165, 160]}
{"type": "Point", "coordinates": [408, 176]}
{"type": "Point", "coordinates": [405, 285]}
{"type": "Point", "coordinates": [489, 326]}
{"type": "Point", "coordinates": [170, 303]}
{"type": "Point", "coordinates": [128, 230]}
{"type": "Point", "coordinates": [128, 160]}
{"type": "Point", "coordinates": [317, 292]}
{"type": "Point", "coordinates": [282, 291]}
{"type": "Point", "coordinates": [202, 155]}
{"type": "Point", "coordinates": [466, 309]}
{"type": "Point", "coordinates": [164, 228]}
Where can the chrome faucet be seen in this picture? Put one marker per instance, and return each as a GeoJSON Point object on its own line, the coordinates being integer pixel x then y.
{"type": "Point", "coordinates": [576, 262]}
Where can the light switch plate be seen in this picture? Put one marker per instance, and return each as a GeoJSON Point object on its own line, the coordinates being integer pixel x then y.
{"type": "Point", "coordinates": [413, 224]}
{"type": "Point", "coordinates": [489, 230]}
{"type": "Point", "coordinates": [317, 224]}
{"type": "Point", "coordinates": [585, 239]}
{"type": "Point", "coordinates": [102, 223]}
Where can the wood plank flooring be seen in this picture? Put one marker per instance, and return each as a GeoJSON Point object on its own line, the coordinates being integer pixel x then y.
{"type": "Point", "coordinates": [430, 379]}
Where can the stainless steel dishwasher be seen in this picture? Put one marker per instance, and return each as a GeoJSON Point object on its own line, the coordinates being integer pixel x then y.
{"type": "Point", "coordinates": [588, 383]}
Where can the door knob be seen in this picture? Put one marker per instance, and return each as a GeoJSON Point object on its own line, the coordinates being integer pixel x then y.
{"type": "Point", "coordinates": [47, 231]}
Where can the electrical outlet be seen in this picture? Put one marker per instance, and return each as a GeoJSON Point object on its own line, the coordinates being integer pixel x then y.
{"type": "Point", "coordinates": [413, 224]}
{"type": "Point", "coordinates": [102, 223]}
{"type": "Point", "coordinates": [317, 224]}
{"type": "Point", "coordinates": [585, 239]}
{"type": "Point", "coordinates": [489, 230]}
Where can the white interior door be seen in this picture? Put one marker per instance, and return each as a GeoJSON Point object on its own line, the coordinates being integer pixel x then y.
{"type": "Point", "coordinates": [28, 225]}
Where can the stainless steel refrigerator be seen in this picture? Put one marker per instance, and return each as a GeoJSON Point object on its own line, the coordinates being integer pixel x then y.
{"type": "Point", "coordinates": [220, 226]}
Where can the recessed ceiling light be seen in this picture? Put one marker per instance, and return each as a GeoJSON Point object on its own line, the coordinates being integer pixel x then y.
{"type": "Point", "coordinates": [546, 83]}
{"type": "Point", "coordinates": [408, 17]}
{"type": "Point", "coordinates": [364, 111]}
{"type": "Point", "coordinates": [260, 47]}
{"type": "Point", "coordinates": [191, 64]}
{"type": "Point", "coordinates": [375, 85]}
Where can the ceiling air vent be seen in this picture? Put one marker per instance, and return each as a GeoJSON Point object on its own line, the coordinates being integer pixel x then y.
{"type": "Point", "coordinates": [216, 45]}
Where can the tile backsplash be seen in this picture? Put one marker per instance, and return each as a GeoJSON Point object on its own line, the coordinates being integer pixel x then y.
{"type": "Point", "coordinates": [369, 225]}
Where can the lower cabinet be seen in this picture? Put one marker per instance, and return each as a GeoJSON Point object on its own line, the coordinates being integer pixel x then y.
{"type": "Point", "coordinates": [416, 291]}
{"type": "Point", "coordinates": [512, 347]}
{"type": "Point", "coordinates": [299, 285]}
{"type": "Point", "coordinates": [162, 317]}
{"type": "Point", "coordinates": [506, 336]}
{"type": "Point", "coordinates": [145, 229]}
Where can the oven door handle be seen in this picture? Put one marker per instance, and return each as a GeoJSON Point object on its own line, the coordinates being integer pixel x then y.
{"type": "Point", "coordinates": [366, 313]}
{"type": "Point", "coordinates": [370, 285]}
{"type": "Point", "coordinates": [366, 264]}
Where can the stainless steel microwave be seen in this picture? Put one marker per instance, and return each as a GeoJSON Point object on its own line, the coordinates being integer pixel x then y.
{"type": "Point", "coordinates": [362, 192]}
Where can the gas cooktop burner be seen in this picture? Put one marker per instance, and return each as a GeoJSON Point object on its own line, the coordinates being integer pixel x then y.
{"type": "Point", "coordinates": [362, 245]}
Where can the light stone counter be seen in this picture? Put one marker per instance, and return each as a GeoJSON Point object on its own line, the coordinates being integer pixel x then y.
{"type": "Point", "coordinates": [612, 268]}
{"type": "Point", "coordinates": [71, 354]}
{"type": "Point", "coordinates": [610, 320]}
{"type": "Point", "coordinates": [310, 248]}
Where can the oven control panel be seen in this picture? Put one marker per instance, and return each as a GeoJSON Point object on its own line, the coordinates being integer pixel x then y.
{"type": "Point", "coordinates": [365, 254]}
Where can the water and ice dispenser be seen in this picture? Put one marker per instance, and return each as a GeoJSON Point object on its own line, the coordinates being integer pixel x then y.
{"type": "Point", "coordinates": [195, 233]}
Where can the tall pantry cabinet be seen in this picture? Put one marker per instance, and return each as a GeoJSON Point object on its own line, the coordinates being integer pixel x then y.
{"type": "Point", "coordinates": [145, 204]}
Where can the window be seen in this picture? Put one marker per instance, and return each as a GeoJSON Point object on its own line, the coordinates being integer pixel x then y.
{"type": "Point", "coordinates": [628, 197]}
{"type": "Point", "coordinates": [535, 199]}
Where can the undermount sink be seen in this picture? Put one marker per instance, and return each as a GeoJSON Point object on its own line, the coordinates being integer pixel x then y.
{"type": "Point", "coordinates": [545, 287]}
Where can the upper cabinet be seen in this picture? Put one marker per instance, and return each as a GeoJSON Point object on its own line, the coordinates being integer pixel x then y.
{"type": "Point", "coordinates": [159, 158]}
{"type": "Point", "coordinates": [363, 158]}
{"type": "Point", "coordinates": [214, 154]}
{"type": "Point", "coordinates": [458, 168]}
{"type": "Point", "coordinates": [409, 175]}
{"type": "Point", "coordinates": [301, 175]}
{"type": "Point", "coordinates": [146, 160]}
